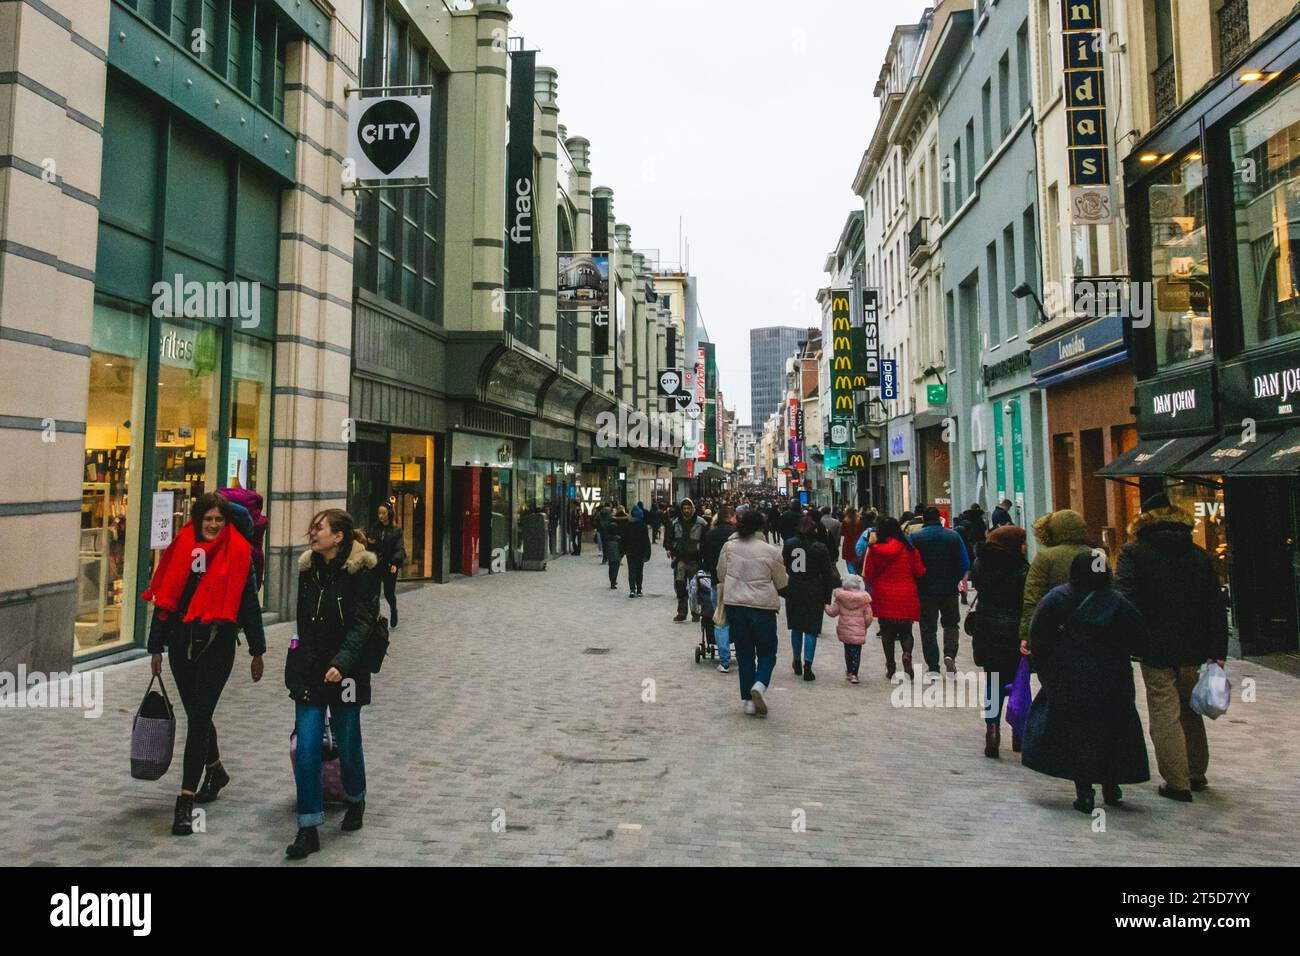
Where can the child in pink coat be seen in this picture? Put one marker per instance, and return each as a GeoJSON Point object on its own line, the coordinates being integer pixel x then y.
{"type": "Point", "coordinates": [852, 605]}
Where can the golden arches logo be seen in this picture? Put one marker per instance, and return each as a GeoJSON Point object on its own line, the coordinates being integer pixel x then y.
{"type": "Point", "coordinates": [857, 461]}
{"type": "Point", "coordinates": [859, 381]}
{"type": "Point", "coordinates": [841, 343]}
{"type": "Point", "coordinates": [843, 382]}
{"type": "Point", "coordinates": [841, 322]}
{"type": "Point", "coordinates": [844, 401]}
{"type": "Point", "coordinates": [839, 304]}
{"type": "Point", "coordinates": [843, 362]}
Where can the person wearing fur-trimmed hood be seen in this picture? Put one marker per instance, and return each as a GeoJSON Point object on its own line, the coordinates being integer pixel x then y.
{"type": "Point", "coordinates": [1172, 582]}
{"type": "Point", "coordinates": [338, 604]}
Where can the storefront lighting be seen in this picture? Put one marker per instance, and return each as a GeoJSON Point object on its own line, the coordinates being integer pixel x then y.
{"type": "Point", "coordinates": [1194, 157]}
{"type": "Point", "coordinates": [1251, 76]}
{"type": "Point", "coordinates": [1148, 158]}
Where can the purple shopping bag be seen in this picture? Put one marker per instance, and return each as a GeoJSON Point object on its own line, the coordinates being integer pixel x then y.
{"type": "Point", "coordinates": [1020, 698]}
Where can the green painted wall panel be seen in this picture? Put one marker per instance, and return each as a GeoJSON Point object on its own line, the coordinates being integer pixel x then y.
{"type": "Point", "coordinates": [257, 241]}
{"type": "Point", "coordinates": [123, 264]}
{"type": "Point", "coordinates": [130, 160]}
{"type": "Point", "coordinates": [198, 195]}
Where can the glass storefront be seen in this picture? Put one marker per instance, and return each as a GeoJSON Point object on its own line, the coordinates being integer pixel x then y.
{"type": "Point", "coordinates": [411, 494]}
{"type": "Point", "coordinates": [250, 415]}
{"type": "Point", "coordinates": [111, 485]}
{"type": "Point", "coordinates": [1179, 262]}
{"type": "Point", "coordinates": [1266, 207]}
{"type": "Point", "coordinates": [1204, 501]}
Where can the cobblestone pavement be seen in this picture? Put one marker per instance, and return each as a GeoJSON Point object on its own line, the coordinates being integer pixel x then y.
{"type": "Point", "coordinates": [494, 707]}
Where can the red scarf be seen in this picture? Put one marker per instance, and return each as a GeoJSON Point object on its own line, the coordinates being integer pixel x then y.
{"type": "Point", "coordinates": [221, 586]}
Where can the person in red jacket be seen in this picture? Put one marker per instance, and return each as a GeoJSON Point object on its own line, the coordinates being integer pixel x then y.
{"type": "Point", "coordinates": [891, 569]}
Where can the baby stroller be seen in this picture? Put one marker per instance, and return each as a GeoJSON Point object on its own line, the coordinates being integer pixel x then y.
{"type": "Point", "coordinates": [701, 594]}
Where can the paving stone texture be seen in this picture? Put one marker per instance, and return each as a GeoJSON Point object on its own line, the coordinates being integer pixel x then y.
{"type": "Point", "coordinates": [496, 738]}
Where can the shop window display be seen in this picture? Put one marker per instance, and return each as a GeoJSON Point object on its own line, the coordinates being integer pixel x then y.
{"type": "Point", "coordinates": [1266, 199]}
{"type": "Point", "coordinates": [1180, 262]}
{"type": "Point", "coordinates": [111, 484]}
{"type": "Point", "coordinates": [189, 410]}
{"type": "Point", "coordinates": [411, 494]}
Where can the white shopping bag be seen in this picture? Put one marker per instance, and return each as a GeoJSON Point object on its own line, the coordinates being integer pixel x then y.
{"type": "Point", "coordinates": [1212, 693]}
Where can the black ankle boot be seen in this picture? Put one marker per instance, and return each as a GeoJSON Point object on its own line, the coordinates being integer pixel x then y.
{"type": "Point", "coordinates": [355, 812]}
{"type": "Point", "coordinates": [304, 844]}
{"type": "Point", "coordinates": [1084, 797]}
{"type": "Point", "coordinates": [1112, 794]}
{"type": "Point", "coordinates": [992, 739]}
{"type": "Point", "coordinates": [183, 817]}
{"type": "Point", "coordinates": [807, 671]}
{"type": "Point", "coordinates": [215, 780]}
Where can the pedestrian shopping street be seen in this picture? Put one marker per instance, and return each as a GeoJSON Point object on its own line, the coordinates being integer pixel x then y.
{"type": "Point", "coordinates": [521, 700]}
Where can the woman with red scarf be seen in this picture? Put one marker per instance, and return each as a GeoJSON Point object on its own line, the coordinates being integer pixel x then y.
{"type": "Point", "coordinates": [204, 590]}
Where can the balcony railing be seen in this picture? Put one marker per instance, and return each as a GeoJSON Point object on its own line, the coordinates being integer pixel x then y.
{"type": "Point", "coordinates": [918, 244]}
{"type": "Point", "coordinates": [1234, 30]}
{"type": "Point", "coordinates": [1165, 87]}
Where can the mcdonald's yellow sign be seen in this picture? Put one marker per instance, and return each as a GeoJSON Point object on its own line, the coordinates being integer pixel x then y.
{"type": "Point", "coordinates": [843, 401]}
{"type": "Point", "coordinates": [844, 382]}
{"type": "Point", "coordinates": [843, 362]}
{"type": "Point", "coordinates": [857, 461]}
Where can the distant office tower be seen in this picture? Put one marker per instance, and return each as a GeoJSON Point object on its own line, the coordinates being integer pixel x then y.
{"type": "Point", "coordinates": [768, 350]}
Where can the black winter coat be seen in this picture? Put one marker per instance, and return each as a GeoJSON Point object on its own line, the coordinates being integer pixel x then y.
{"type": "Point", "coordinates": [1172, 582]}
{"type": "Point", "coordinates": [712, 548]}
{"type": "Point", "coordinates": [337, 607]}
{"type": "Point", "coordinates": [1083, 725]}
{"type": "Point", "coordinates": [809, 590]}
{"type": "Point", "coordinates": [999, 578]}
{"type": "Point", "coordinates": [388, 545]}
{"type": "Point", "coordinates": [169, 630]}
{"type": "Point", "coordinates": [636, 541]}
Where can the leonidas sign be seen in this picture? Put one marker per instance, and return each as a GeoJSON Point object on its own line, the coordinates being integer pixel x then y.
{"type": "Point", "coordinates": [388, 137]}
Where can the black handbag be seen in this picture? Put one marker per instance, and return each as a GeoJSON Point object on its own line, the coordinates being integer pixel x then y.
{"type": "Point", "coordinates": [971, 624]}
{"type": "Point", "coordinates": [376, 647]}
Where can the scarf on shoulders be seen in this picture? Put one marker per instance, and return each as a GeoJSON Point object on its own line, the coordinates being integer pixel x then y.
{"type": "Point", "coordinates": [220, 591]}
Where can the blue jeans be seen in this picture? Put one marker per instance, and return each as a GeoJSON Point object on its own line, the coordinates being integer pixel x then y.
{"type": "Point", "coordinates": [753, 631]}
{"type": "Point", "coordinates": [722, 637]}
{"type": "Point", "coordinates": [345, 721]}
{"type": "Point", "coordinates": [1003, 692]}
{"type": "Point", "coordinates": [804, 643]}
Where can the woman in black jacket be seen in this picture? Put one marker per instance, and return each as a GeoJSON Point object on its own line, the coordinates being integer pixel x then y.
{"type": "Point", "coordinates": [338, 605]}
{"type": "Point", "coordinates": [999, 577]}
{"type": "Point", "coordinates": [636, 545]}
{"type": "Point", "coordinates": [1083, 725]}
{"type": "Point", "coordinates": [812, 579]}
{"type": "Point", "coordinates": [197, 617]}
{"type": "Point", "coordinates": [389, 546]}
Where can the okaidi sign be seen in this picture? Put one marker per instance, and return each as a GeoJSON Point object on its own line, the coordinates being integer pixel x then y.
{"type": "Point", "coordinates": [1176, 405]}
{"type": "Point", "coordinates": [1266, 389]}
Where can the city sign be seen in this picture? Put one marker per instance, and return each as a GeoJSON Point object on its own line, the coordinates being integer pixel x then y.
{"type": "Point", "coordinates": [389, 136]}
{"type": "Point", "coordinates": [670, 382]}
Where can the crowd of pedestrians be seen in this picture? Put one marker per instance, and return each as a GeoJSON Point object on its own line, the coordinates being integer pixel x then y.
{"type": "Point", "coordinates": [1070, 618]}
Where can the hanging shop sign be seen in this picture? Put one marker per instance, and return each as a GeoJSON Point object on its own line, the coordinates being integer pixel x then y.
{"type": "Point", "coordinates": [999, 452]}
{"type": "Point", "coordinates": [841, 432]}
{"type": "Point", "coordinates": [889, 379]}
{"type": "Point", "coordinates": [1017, 450]}
{"type": "Point", "coordinates": [841, 357]}
{"type": "Point", "coordinates": [936, 394]}
{"type": "Point", "coordinates": [521, 181]}
{"type": "Point", "coordinates": [867, 359]}
{"type": "Point", "coordinates": [670, 382]}
{"type": "Point", "coordinates": [389, 137]}
{"type": "Point", "coordinates": [1085, 111]}
{"type": "Point", "coordinates": [582, 282]}
{"type": "Point", "coordinates": [1007, 367]}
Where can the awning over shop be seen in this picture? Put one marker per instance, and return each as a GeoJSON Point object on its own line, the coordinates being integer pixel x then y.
{"type": "Point", "coordinates": [1221, 457]}
{"type": "Point", "coordinates": [1154, 456]}
{"type": "Point", "coordinates": [1279, 458]}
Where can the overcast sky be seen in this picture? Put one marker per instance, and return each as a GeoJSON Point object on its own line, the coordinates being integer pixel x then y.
{"type": "Point", "coordinates": [746, 119]}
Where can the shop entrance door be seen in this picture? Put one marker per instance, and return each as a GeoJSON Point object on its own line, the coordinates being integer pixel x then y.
{"type": "Point", "coordinates": [467, 519]}
{"type": "Point", "coordinates": [1265, 564]}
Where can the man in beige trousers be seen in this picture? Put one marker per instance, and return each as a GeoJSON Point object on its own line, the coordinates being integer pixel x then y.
{"type": "Point", "coordinates": [1172, 581]}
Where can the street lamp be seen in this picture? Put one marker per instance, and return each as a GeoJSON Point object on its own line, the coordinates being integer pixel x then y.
{"type": "Point", "coordinates": [1023, 290]}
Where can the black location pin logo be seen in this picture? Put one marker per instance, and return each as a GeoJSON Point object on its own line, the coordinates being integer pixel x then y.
{"type": "Point", "coordinates": [388, 132]}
